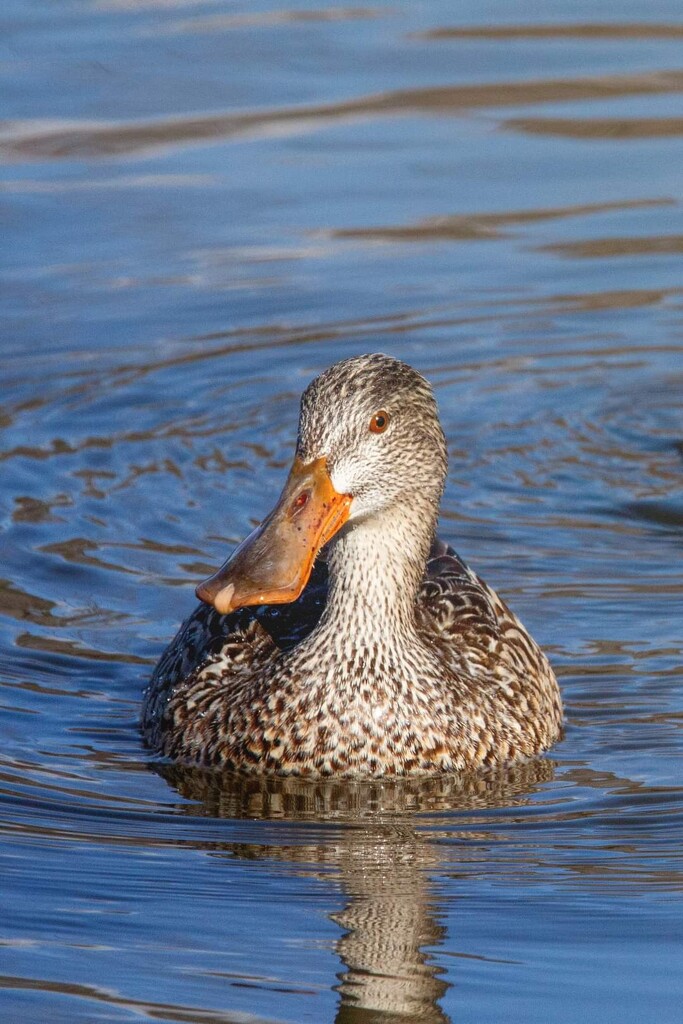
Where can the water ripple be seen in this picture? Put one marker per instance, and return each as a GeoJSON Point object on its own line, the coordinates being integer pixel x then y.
{"type": "Point", "coordinates": [55, 140]}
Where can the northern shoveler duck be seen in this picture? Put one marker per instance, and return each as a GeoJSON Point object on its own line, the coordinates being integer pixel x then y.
{"type": "Point", "coordinates": [386, 655]}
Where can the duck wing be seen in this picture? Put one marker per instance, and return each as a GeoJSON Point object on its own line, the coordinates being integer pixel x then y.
{"type": "Point", "coordinates": [480, 640]}
{"type": "Point", "coordinates": [454, 602]}
{"type": "Point", "coordinates": [227, 645]}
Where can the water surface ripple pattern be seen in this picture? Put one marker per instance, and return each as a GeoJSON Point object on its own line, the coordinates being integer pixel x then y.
{"type": "Point", "coordinates": [202, 206]}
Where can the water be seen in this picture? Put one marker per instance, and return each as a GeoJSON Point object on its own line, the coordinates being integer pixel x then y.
{"type": "Point", "coordinates": [202, 204]}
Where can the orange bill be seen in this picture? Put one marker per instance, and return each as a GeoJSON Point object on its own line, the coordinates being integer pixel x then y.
{"type": "Point", "coordinates": [273, 565]}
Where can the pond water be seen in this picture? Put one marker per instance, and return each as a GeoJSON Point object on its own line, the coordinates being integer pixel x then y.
{"type": "Point", "coordinates": [202, 204]}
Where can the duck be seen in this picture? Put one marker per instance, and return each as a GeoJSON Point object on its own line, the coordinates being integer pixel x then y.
{"type": "Point", "coordinates": [342, 637]}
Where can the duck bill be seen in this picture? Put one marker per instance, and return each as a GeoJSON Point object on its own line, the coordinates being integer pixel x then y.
{"type": "Point", "coordinates": [273, 565]}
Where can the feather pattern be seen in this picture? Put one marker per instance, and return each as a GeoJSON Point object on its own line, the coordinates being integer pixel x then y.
{"type": "Point", "coordinates": [397, 659]}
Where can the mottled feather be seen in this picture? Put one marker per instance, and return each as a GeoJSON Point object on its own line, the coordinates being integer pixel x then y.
{"type": "Point", "coordinates": [396, 659]}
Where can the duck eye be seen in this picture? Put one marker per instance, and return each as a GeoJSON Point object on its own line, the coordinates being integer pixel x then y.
{"type": "Point", "coordinates": [379, 422]}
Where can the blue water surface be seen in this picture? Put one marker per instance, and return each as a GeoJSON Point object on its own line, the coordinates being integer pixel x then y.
{"type": "Point", "coordinates": [203, 203]}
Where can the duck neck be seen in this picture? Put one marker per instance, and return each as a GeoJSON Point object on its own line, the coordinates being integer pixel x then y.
{"type": "Point", "coordinates": [375, 570]}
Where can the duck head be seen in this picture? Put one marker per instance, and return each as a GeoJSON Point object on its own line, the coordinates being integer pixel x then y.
{"type": "Point", "coordinates": [370, 447]}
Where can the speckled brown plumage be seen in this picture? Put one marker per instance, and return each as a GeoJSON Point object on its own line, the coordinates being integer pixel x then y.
{"type": "Point", "coordinates": [396, 659]}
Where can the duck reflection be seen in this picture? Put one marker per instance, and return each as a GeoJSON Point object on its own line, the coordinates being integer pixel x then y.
{"type": "Point", "coordinates": [385, 859]}
{"type": "Point", "coordinates": [388, 919]}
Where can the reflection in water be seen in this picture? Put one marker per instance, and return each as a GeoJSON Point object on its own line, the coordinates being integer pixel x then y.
{"type": "Point", "coordinates": [81, 139]}
{"type": "Point", "coordinates": [102, 996]}
{"type": "Point", "coordinates": [384, 861]}
{"type": "Point", "coordinates": [231, 22]}
{"type": "Point", "coordinates": [607, 129]}
{"type": "Point", "coordinates": [459, 228]}
{"type": "Point", "coordinates": [603, 248]}
{"type": "Point", "coordinates": [389, 917]}
{"type": "Point", "coordinates": [226, 794]}
{"type": "Point", "coordinates": [594, 30]}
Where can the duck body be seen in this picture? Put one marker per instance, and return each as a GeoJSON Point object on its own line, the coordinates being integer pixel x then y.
{"type": "Point", "coordinates": [387, 655]}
